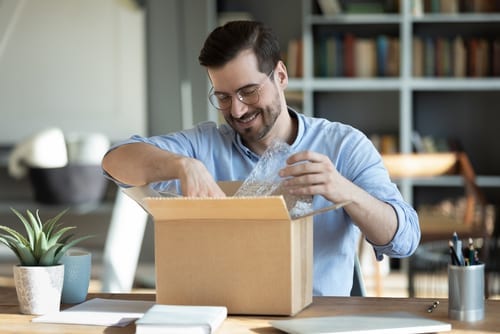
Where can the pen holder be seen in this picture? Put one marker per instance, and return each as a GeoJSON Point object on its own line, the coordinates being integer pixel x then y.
{"type": "Point", "coordinates": [466, 292]}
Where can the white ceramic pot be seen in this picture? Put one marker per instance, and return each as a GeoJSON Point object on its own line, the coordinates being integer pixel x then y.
{"type": "Point", "coordinates": [39, 288]}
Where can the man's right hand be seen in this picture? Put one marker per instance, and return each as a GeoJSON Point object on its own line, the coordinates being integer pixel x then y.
{"type": "Point", "coordinates": [196, 181]}
{"type": "Point", "coordinates": [137, 164]}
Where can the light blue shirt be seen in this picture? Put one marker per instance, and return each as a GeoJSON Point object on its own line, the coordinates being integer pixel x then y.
{"type": "Point", "coordinates": [336, 238]}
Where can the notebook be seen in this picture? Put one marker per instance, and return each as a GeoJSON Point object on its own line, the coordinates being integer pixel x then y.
{"type": "Point", "coordinates": [181, 319]}
{"type": "Point", "coordinates": [385, 323]}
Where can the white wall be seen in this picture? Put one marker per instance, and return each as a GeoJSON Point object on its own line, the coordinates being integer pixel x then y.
{"type": "Point", "coordinates": [74, 64]}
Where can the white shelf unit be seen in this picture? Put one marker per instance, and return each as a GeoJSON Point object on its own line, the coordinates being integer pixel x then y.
{"type": "Point", "coordinates": [403, 103]}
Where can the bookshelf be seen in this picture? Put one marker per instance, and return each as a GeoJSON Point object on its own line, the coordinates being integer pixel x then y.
{"type": "Point", "coordinates": [439, 104]}
{"type": "Point", "coordinates": [396, 105]}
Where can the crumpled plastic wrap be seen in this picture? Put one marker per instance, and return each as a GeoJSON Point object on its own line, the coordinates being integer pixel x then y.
{"type": "Point", "coordinates": [264, 180]}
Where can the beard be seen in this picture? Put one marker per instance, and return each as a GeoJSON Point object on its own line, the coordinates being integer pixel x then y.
{"type": "Point", "coordinates": [255, 133]}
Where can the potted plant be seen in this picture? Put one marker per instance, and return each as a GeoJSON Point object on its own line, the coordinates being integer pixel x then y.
{"type": "Point", "coordinates": [39, 276]}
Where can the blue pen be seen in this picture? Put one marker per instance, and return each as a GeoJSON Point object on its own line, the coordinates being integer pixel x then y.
{"type": "Point", "coordinates": [453, 255]}
{"type": "Point", "coordinates": [457, 245]}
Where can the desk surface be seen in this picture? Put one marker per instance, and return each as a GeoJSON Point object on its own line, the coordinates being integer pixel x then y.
{"type": "Point", "coordinates": [11, 321]}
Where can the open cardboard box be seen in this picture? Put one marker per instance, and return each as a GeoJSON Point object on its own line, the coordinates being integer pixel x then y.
{"type": "Point", "coordinates": [245, 253]}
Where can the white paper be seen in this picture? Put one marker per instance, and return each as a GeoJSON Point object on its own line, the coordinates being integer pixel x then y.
{"type": "Point", "coordinates": [389, 323]}
{"type": "Point", "coordinates": [100, 312]}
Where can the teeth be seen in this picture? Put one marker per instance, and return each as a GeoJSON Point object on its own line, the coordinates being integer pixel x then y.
{"type": "Point", "coordinates": [249, 119]}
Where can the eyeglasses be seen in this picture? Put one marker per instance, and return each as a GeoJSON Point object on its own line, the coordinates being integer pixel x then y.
{"type": "Point", "coordinates": [247, 95]}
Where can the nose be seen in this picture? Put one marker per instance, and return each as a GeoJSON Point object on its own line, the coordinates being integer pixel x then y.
{"type": "Point", "coordinates": [238, 108]}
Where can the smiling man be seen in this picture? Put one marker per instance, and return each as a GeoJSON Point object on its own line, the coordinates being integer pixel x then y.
{"type": "Point", "coordinates": [337, 162]}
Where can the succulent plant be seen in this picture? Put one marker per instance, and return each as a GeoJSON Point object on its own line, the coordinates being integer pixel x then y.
{"type": "Point", "coordinates": [45, 242]}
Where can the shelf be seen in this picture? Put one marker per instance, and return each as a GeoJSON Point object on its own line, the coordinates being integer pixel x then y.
{"type": "Point", "coordinates": [482, 181]}
{"type": "Point", "coordinates": [370, 84]}
{"type": "Point", "coordinates": [439, 107]}
{"type": "Point", "coordinates": [356, 84]}
{"type": "Point", "coordinates": [419, 164]}
{"type": "Point", "coordinates": [457, 18]}
{"type": "Point", "coordinates": [354, 19]}
{"type": "Point", "coordinates": [442, 84]}
{"type": "Point", "coordinates": [345, 84]}
{"type": "Point", "coordinates": [295, 84]}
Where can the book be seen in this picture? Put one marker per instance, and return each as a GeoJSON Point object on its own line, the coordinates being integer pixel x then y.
{"type": "Point", "coordinates": [496, 58]}
{"type": "Point", "coordinates": [399, 322]}
{"type": "Point", "coordinates": [429, 57]}
{"type": "Point", "coordinates": [99, 312]}
{"type": "Point", "coordinates": [329, 7]}
{"type": "Point", "coordinates": [393, 57]}
{"type": "Point", "coordinates": [365, 58]}
{"type": "Point", "coordinates": [460, 57]}
{"type": "Point", "coordinates": [418, 56]}
{"type": "Point", "coordinates": [382, 49]}
{"type": "Point", "coordinates": [291, 58]}
{"type": "Point", "coordinates": [181, 319]}
{"type": "Point", "coordinates": [348, 55]}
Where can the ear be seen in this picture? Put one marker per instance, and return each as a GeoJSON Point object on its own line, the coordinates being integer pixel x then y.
{"type": "Point", "coordinates": [281, 74]}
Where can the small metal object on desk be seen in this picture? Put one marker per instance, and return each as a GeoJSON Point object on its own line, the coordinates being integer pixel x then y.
{"type": "Point", "coordinates": [433, 306]}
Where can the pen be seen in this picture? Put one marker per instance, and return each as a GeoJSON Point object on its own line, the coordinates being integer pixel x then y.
{"type": "Point", "coordinates": [453, 254]}
{"type": "Point", "coordinates": [433, 306]}
{"type": "Point", "coordinates": [472, 253]}
{"type": "Point", "coordinates": [457, 245]}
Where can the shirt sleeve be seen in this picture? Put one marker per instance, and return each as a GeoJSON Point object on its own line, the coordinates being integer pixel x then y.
{"type": "Point", "coordinates": [176, 142]}
{"type": "Point", "coordinates": [366, 169]}
{"type": "Point", "coordinates": [407, 235]}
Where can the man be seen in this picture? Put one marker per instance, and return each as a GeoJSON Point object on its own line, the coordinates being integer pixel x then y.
{"type": "Point", "coordinates": [337, 162]}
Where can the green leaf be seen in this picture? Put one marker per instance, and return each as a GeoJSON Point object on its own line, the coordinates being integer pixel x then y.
{"type": "Point", "coordinates": [26, 257]}
{"type": "Point", "coordinates": [35, 223]}
{"type": "Point", "coordinates": [49, 257]}
{"type": "Point", "coordinates": [67, 246]}
{"type": "Point", "coordinates": [55, 238]}
{"type": "Point", "coordinates": [18, 236]}
{"type": "Point", "coordinates": [50, 224]}
{"type": "Point", "coordinates": [10, 240]}
{"type": "Point", "coordinates": [11, 244]}
{"type": "Point", "coordinates": [22, 252]}
{"type": "Point", "coordinates": [27, 226]}
{"type": "Point", "coordinates": [46, 242]}
{"type": "Point", "coordinates": [40, 245]}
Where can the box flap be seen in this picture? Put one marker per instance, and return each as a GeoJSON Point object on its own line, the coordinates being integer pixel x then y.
{"type": "Point", "coordinates": [252, 208]}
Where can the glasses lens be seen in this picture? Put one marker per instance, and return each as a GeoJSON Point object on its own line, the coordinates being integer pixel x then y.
{"type": "Point", "coordinates": [249, 96]}
{"type": "Point", "coordinates": [214, 101]}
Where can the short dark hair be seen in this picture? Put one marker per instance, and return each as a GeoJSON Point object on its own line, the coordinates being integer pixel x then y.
{"type": "Point", "coordinates": [227, 41]}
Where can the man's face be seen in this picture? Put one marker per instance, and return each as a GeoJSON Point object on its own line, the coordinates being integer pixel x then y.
{"type": "Point", "coordinates": [240, 81]}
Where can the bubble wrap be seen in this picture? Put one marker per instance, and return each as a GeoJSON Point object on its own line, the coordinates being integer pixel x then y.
{"type": "Point", "coordinates": [264, 180]}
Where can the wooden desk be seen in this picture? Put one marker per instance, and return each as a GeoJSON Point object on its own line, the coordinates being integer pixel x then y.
{"type": "Point", "coordinates": [11, 321]}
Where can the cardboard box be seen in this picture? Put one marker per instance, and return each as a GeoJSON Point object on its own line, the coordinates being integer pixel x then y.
{"type": "Point", "coordinates": [243, 253]}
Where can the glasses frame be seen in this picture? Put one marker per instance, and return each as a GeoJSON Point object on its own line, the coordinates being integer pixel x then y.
{"type": "Point", "coordinates": [238, 94]}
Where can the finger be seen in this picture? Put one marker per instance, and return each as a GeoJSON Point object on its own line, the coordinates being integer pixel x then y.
{"type": "Point", "coordinates": [305, 180]}
{"type": "Point", "coordinates": [299, 169]}
{"type": "Point", "coordinates": [304, 156]}
{"type": "Point", "coordinates": [315, 189]}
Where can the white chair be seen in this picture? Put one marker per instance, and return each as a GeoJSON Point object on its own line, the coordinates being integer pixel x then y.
{"type": "Point", "coordinates": [123, 244]}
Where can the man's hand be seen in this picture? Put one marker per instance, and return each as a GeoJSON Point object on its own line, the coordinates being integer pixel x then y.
{"type": "Point", "coordinates": [146, 163]}
{"type": "Point", "coordinates": [196, 181]}
{"type": "Point", "coordinates": [311, 173]}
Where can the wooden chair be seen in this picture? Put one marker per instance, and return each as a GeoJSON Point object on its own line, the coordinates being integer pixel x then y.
{"type": "Point", "coordinates": [438, 229]}
{"type": "Point", "coordinates": [474, 222]}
